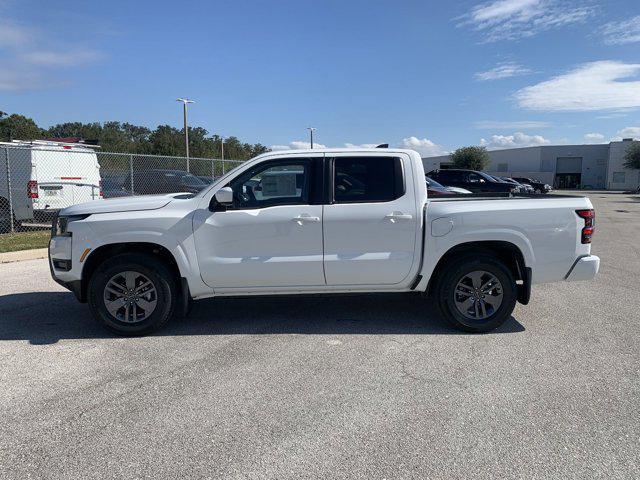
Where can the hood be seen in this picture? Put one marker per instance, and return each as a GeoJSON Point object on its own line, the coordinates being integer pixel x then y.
{"type": "Point", "coordinates": [121, 204]}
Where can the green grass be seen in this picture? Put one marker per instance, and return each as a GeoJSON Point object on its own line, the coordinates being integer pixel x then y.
{"type": "Point", "coordinates": [11, 242]}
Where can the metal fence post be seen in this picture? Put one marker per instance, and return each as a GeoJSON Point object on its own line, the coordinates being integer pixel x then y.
{"type": "Point", "coordinates": [213, 169]}
{"type": "Point", "coordinates": [8, 169]}
{"type": "Point", "coordinates": [222, 167]}
{"type": "Point", "coordinates": [131, 171]}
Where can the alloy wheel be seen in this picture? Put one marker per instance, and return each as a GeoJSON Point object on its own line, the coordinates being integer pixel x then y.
{"type": "Point", "coordinates": [130, 297]}
{"type": "Point", "coordinates": [478, 295]}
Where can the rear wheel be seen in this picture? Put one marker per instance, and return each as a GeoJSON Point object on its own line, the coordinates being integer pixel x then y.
{"type": "Point", "coordinates": [132, 294]}
{"type": "Point", "coordinates": [476, 293]}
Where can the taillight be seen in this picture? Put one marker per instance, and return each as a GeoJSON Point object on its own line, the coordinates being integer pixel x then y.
{"type": "Point", "coordinates": [589, 217]}
{"type": "Point", "coordinates": [32, 189]}
{"type": "Point", "coordinates": [100, 185]}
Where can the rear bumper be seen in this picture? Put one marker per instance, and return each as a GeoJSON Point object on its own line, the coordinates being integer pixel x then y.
{"type": "Point", "coordinates": [585, 268]}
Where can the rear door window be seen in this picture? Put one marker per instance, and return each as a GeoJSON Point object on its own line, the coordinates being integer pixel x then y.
{"type": "Point", "coordinates": [367, 179]}
{"type": "Point", "coordinates": [449, 176]}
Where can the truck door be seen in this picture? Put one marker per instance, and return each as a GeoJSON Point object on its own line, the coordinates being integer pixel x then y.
{"type": "Point", "coordinates": [371, 221]}
{"type": "Point", "coordinates": [272, 234]}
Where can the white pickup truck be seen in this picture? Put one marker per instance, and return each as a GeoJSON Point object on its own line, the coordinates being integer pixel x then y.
{"type": "Point", "coordinates": [318, 221]}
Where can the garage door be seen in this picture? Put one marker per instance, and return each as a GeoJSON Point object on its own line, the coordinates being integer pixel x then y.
{"type": "Point", "coordinates": [569, 165]}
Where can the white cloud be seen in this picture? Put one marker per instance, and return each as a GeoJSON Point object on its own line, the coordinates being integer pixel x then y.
{"type": "Point", "coordinates": [14, 36]}
{"type": "Point", "coordinates": [301, 145]}
{"type": "Point", "coordinates": [517, 125]}
{"type": "Point", "coordinates": [297, 145]}
{"type": "Point", "coordinates": [13, 80]}
{"type": "Point", "coordinates": [590, 86]}
{"type": "Point", "coordinates": [518, 139]}
{"type": "Point", "coordinates": [423, 146]}
{"type": "Point", "coordinates": [31, 57]}
{"type": "Point", "coordinates": [502, 70]}
{"type": "Point", "coordinates": [627, 132]}
{"type": "Point", "coordinates": [361, 145]}
{"type": "Point", "coordinates": [515, 19]}
{"type": "Point", "coordinates": [609, 116]}
{"type": "Point", "coordinates": [619, 33]}
{"type": "Point", "coordinates": [60, 59]}
{"type": "Point", "coordinates": [593, 138]}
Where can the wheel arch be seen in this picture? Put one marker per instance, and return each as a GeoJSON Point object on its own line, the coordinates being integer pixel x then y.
{"type": "Point", "coordinates": [100, 254]}
{"type": "Point", "coordinates": [507, 252]}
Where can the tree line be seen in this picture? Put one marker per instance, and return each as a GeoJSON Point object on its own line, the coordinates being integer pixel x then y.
{"type": "Point", "coordinates": [125, 137]}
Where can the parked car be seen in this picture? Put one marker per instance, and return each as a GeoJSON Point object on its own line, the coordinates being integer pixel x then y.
{"type": "Point", "coordinates": [206, 179]}
{"type": "Point", "coordinates": [519, 188]}
{"type": "Point", "coordinates": [538, 187]}
{"type": "Point", "coordinates": [476, 182]}
{"type": "Point", "coordinates": [438, 189]}
{"type": "Point", "coordinates": [524, 188]}
{"type": "Point", "coordinates": [157, 181]}
{"type": "Point", "coordinates": [114, 187]}
{"type": "Point", "coordinates": [45, 177]}
{"type": "Point", "coordinates": [138, 261]}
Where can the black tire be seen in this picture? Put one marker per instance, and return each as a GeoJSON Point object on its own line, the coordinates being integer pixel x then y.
{"type": "Point", "coordinates": [164, 282]}
{"type": "Point", "coordinates": [455, 272]}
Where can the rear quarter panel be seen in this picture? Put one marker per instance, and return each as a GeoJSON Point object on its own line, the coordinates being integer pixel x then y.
{"type": "Point", "coordinates": [546, 230]}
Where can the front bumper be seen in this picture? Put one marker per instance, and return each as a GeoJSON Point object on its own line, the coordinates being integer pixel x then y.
{"type": "Point", "coordinates": [585, 268]}
{"type": "Point", "coordinates": [60, 262]}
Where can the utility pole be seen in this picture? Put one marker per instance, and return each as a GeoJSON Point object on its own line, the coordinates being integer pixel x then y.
{"type": "Point", "coordinates": [311, 130]}
{"type": "Point", "coordinates": [222, 147]}
{"type": "Point", "coordinates": [185, 101]}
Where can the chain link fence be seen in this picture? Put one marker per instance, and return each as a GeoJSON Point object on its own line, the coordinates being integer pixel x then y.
{"type": "Point", "coordinates": [37, 179]}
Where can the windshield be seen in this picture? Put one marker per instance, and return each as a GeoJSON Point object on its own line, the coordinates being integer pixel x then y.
{"type": "Point", "coordinates": [490, 178]}
{"type": "Point", "coordinates": [432, 183]}
{"type": "Point", "coordinates": [192, 181]}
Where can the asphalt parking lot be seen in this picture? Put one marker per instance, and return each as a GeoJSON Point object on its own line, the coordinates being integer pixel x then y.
{"type": "Point", "coordinates": [352, 387]}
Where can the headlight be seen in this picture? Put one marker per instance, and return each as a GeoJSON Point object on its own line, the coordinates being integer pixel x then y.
{"type": "Point", "coordinates": [60, 227]}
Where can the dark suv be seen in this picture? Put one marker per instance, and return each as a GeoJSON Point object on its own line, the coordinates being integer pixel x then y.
{"type": "Point", "coordinates": [147, 182]}
{"type": "Point", "coordinates": [477, 182]}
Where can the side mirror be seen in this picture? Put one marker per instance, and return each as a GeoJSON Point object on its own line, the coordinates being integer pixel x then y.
{"type": "Point", "coordinates": [224, 196]}
{"type": "Point", "coordinates": [221, 200]}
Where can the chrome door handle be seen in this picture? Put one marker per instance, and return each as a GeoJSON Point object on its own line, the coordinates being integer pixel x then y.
{"type": "Point", "coordinates": [305, 217]}
{"type": "Point", "coordinates": [395, 216]}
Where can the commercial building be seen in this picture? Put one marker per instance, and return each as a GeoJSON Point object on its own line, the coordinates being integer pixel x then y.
{"type": "Point", "coordinates": [563, 166]}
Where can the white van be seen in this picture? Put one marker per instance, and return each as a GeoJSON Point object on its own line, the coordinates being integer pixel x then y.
{"type": "Point", "coordinates": [46, 177]}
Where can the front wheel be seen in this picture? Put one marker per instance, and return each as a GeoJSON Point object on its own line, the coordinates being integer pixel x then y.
{"type": "Point", "coordinates": [132, 294]}
{"type": "Point", "coordinates": [476, 293]}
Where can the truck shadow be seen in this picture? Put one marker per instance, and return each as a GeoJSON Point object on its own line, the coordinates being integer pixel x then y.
{"type": "Point", "coordinates": [47, 317]}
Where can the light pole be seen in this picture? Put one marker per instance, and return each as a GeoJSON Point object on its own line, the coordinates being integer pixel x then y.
{"type": "Point", "coordinates": [311, 130]}
{"type": "Point", "coordinates": [186, 128]}
{"type": "Point", "coordinates": [222, 152]}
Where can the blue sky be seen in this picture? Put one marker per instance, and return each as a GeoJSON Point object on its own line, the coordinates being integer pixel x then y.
{"type": "Point", "coordinates": [424, 74]}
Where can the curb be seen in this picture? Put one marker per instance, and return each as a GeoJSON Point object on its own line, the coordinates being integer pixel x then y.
{"type": "Point", "coordinates": [22, 255]}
